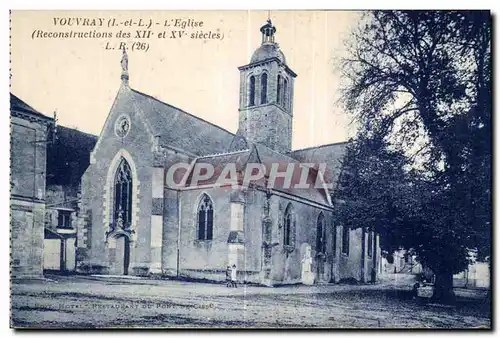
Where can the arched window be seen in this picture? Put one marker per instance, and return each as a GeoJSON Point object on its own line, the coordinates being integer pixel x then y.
{"type": "Point", "coordinates": [288, 226]}
{"type": "Point", "coordinates": [263, 88]}
{"type": "Point", "coordinates": [205, 218]}
{"type": "Point", "coordinates": [334, 239]}
{"type": "Point", "coordinates": [320, 234]}
{"type": "Point", "coordinates": [123, 194]}
{"type": "Point", "coordinates": [285, 93]}
{"type": "Point", "coordinates": [278, 92]}
{"type": "Point", "coordinates": [251, 96]}
{"type": "Point", "coordinates": [345, 240]}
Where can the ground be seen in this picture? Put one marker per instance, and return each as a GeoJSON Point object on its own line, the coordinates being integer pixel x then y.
{"type": "Point", "coordinates": [98, 302]}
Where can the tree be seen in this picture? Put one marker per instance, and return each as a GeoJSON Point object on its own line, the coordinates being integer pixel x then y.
{"type": "Point", "coordinates": [421, 80]}
{"type": "Point", "coordinates": [371, 190]}
{"type": "Point", "coordinates": [378, 190]}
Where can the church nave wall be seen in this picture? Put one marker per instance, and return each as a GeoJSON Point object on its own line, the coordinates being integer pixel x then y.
{"type": "Point", "coordinates": [287, 259]}
{"type": "Point", "coordinates": [204, 257]}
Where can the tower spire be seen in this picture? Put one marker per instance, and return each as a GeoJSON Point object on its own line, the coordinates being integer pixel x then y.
{"type": "Point", "coordinates": [124, 64]}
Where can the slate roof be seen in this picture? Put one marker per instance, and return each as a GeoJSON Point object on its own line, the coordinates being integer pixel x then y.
{"type": "Point", "coordinates": [240, 158]}
{"type": "Point", "coordinates": [219, 162]}
{"type": "Point", "coordinates": [16, 104]}
{"type": "Point", "coordinates": [258, 153]}
{"type": "Point", "coordinates": [217, 146]}
{"type": "Point", "coordinates": [180, 129]}
{"type": "Point", "coordinates": [53, 234]}
{"type": "Point", "coordinates": [331, 154]}
{"type": "Point", "coordinates": [68, 156]}
{"type": "Point", "coordinates": [269, 156]}
{"type": "Point", "coordinates": [268, 51]}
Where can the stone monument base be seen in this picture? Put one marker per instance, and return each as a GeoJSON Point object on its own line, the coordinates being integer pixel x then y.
{"type": "Point", "coordinates": [308, 278]}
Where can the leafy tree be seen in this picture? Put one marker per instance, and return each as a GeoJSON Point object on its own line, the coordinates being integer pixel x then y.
{"type": "Point", "coordinates": [421, 81]}
{"type": "Point", "coordinates": [371, 188]}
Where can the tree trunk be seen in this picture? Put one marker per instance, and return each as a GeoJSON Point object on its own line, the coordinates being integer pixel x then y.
{"type": "Point", "coordinates": [443, 288]}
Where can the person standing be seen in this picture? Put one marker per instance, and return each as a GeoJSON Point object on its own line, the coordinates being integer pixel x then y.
{"type": "Point", "coordinates": [233, 276]}
{"type": "Point", "coordinates": [228, 276]}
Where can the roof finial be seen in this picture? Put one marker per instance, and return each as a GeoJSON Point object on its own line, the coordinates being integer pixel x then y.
{"type": "Point", "coordinates": [124, 64]}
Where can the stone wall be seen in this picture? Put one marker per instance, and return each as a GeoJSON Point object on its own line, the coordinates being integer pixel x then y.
{"type": "Point", "coordinates": [27, 232]}
{"type": "Point", "coordinates": [208, 259]}
{"type": "Point", "coordinates": [27, 202]}
{"type": "Point", "coordinates": [171, 205]}
{"type": "Point", "coordinates": [286, 261]}
{"type": "Point", "coordinates": [207, 256]}
{"type": "Point", "coordinates": [269, 123]}
{"type": "Point", "coordinates": [28, 158]}
{"type": "Point", "coordinates": [350, 263]}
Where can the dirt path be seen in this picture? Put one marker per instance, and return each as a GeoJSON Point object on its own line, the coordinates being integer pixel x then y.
{"type": "Point", "coordinates": [87, 302]}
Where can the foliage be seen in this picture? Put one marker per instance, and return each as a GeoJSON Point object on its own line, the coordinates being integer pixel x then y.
{"type": "Point", "coordinates": [420, 82]}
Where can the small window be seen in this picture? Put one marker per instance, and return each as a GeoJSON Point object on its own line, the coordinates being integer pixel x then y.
{"type": "Point", "coordinates": [285, 93]}
{"type": "Point", "coordinates": [64, 219]}
{"type": "Point", "coordinates": [251, 97]}
{"type": "Point", "coordinates": [288, 226]}
{"type": "Point", "coordinates": [205, 218]}
{"type": "Point", "coordinates": [370, 244]}
{"type": "Point", "coordinates": [278, 92]}
{"type": "Point", "coordinates": [345, 240]}
{"type": "Point", "coordinates": [263, 88]}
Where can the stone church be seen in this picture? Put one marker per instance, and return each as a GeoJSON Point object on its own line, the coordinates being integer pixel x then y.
{"type": "Point", "coordinates": [132, 222]}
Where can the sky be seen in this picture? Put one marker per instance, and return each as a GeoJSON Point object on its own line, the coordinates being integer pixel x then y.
{"type": "Point", "coordinates": [79, 78]}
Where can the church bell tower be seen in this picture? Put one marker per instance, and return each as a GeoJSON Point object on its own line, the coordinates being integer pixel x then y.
{"type": "Point", "coordinates": [266, 95]}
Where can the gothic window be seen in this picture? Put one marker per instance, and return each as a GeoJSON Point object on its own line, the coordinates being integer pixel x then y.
{"type": "Point", "coordinates": [278, 93]}
{"type": "Point", "coordinates": [123, 193]}
{"type": "Point", "coordinates": [345, 240]}
{"type": "Point", "coordinates": [320, 234]}
{"type": "Point", "coordinates": [251, 97]}
{"type": "Point", "coordinates": [370, 244]}
{"type": "Point", "coordinates": [263, 88]}
{"type": "Point", "coordinates": [285, 93]}
{"type": "Point", "coordinates": [205, 218]}
{"type": "Point", "coordinates": [288, 226]}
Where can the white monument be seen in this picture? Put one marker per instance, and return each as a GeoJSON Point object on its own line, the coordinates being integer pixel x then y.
{"type": "Point", "coordinates": [307, 274]}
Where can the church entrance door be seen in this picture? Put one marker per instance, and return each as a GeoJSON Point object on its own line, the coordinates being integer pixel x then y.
{"type": "Point", "coordinates": [320, 267]}
{"type": "Point", "coordinates": [122, 255]}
